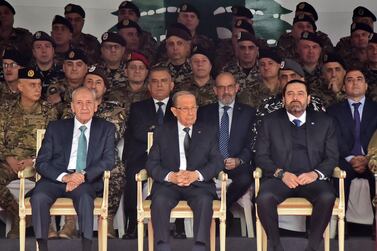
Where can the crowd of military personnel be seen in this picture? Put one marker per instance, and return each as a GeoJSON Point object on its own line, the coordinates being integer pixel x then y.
{"type": "Point", "coordinates": [39, 72]}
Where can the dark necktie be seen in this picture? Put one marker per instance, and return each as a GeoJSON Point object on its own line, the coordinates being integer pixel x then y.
{"type": "Point", "coordinates": [297, 122]}
{"type": "Point", "coordinates": [160, 113]}
{"type": "Point", "coordinates": [356, 118]}
{"type": "Point", "coordinates": [224, 133]}
{"type": "Point", "coordinates": [186, 141]}
{"type": "Point", "coordinates": [81, 150]}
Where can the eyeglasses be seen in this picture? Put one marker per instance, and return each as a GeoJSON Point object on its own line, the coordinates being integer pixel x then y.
{"type": "Point", "coordinates": [11, 65]}
{"type": "Point", "coordinates": [228, 87]}
{"type": "Point", "coordinates": [188, 109]}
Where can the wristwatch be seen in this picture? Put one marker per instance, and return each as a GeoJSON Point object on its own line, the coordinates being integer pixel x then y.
{"type": "Point", "coordinates": [279, 173]}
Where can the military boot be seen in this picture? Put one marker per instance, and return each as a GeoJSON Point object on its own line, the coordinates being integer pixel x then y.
{"type": "Point", "coordinates": [69, 229]}
{"type": "Point", "coordinates": [110, 227]}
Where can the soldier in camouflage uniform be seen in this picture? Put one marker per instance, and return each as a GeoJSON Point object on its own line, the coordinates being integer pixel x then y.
{"type": "Point", "coordinates": [201, 83]}
{"type": "Point", "coordinates": [62, 32]}
{"type": "Point", "coordinates": [43, 55]}
{"type": "Point", "coordinates": [18, 132]}
{"type": "Point", "coordinates": [86, 42]}
{"type": "Point", "coordinates": [113, 112]}
{"type": "Point", "coordinates": [12, 62]}
{"type": "Point", "coordinates": [136, 88]}
{"type": "Point", "coordinates": [370, 71]}
{"type": "Point", "coordinates": [113, 48]}
{"type": "Point", "coordinates": [10, 37]}
{"type": "Point", "coordinates": [245, 69]}
{"type": "Point", "coordinates": [75, 67]}
{"type": "Point", "coordinates": [360, 15]}
{"type": "Point", "coordinates": [178, 48]}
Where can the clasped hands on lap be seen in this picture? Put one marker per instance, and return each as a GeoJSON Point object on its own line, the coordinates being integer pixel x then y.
{"type": "Point", "coordinates": [73, 180]}
{"type": "Point", "coordinates": [293, 181]}
{"type": "Point", "coordinates": [183, 178]}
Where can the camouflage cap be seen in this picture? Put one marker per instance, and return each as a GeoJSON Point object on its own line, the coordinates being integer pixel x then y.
{"type": "Point", "coordinates": [242, 24]}
{"type": "Point", "coordinates": [179, 30]}
{"type": "Point", "coordinates": [246, 36]}
{"type": "Point", "coordinates": [306, 7]}
{"type": "Point", "coordinates": [43, 36]}
{"type": "Point", "coordinates": [361, 11]}
{"type": "Point", "coordinates": [270, 53]}
{"type": "Point", "coordinates": [305, 18]}
{"type": "Point", "coordinates": [76, 54]}
{"type": "Point", "coordinates": [138, 56]}
{"type": "Point", "coordinates": [73, 8]}
{"type": "Point", "coordinates": [361, 26]}
{"type": "Point", "coordinates": [311, 36]}
{"type": "Point", "coordinates": [28, 73]}
{"type": "Point", "coordinates": [16, 56]}
{"type": "Point", "coordinates": [241, 11]}
{"type": "Point", "coordinates": [131, 6]}
{"type": "Point", "coordinates": [64, 21]}
{"type": "Point", "coordinates": [185, 7]}
{"type": "Point", "coordinates": [333, 57]}
{"type": "Point", "coordinates": [201, 50]}
{"type": "Point", "coordinates": [10, 7]}
{"type": "Point", "coordinates": [373, 38]}
{"type": "Point", "coordinates": [126, 23]}
{"type": "Point", "coordinates": [98, 72]}
{"type": "Point", "coordinates": [113, 38]}
{"type": "Point", "coordinates": [290, 64]}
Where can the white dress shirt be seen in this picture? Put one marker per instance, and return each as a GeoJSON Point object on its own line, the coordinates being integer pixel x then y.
{"type": "Point", "coordinates": [230, 113]}
{"type": "Point", "coordinates": [75, 143]}
{"type": "Point", "coordinates": [163, 107]}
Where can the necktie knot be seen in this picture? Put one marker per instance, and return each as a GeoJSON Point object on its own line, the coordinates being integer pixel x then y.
{"type": "Point", "coordinates": [297, 122]}
{"type": "Point", "coordinates": [160, 104]}
{"type": "Point", "coordinates": [187, 130]}
{"type": "Point", "coordinates": [356, 105]}
{"type": "Point", "coordinates": [82, 128]}
{"type": "Point", "coordinates": [226, 108]}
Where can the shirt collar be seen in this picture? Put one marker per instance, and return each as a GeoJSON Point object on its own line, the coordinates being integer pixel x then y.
{"type": "Point", "coordinates": [165, 100]}
{"type": "Point", "coordinates": [231, 105]}
{"type": "Point", "coordinates": [350, 101]}
{"type": "Point", "coordinates": [302, 118]}
{"type": "Point", "coordinates": [78, 124]}
{"type": "Point", "coordinates": [181, 127]}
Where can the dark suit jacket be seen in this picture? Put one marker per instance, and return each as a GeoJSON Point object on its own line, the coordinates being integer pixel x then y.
{"type": "Point", "coordinates": [53, 157]}
{"type": "Point", "coordinates": [240, 131]}
{"type": "Point", "coordinates": [142, 119]}
{"type": "Point", "coordinates": [274, 142]}
{"type": "Point", "coordinates": [204, 155]}
{"type": "Point", "coordinates": [343, 116]}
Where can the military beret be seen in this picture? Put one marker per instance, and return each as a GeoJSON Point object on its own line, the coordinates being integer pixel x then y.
{"type": "Point", "coordinates": [126, 23]}
{"type": "Point", "coordinates": [43, 36]}
{"type": "Point", "coordinates": [241, 11]}
{"type": "Point", "coordinates": [305, 18]}
{"type": "Point", "coordinates": [311, 36]}
{"type": "Point", "coordinates": [99, 72]}
{"type": "Point", "coordinates": [129, 5]}
{"type": "Point", "coordinates": [73, 8]}
{"type": "Point", "coordinates": [361, 26]}
{"type": "Point", "coordinates": [16, 56]}
{"type": "Point", "coordinates": [28, 73]}
{"type": "Point", "coordinates": [246, 36]}
{"type": "Point", "coordinates": [373, 38]}
{"type": "Point", "coordinates": [10, 7]}
{"type": "Point", "coordinates": [76, 54]}
{"type": "Point", "coordinates": [290, 64]}
{"type": "Point", "coordinates": [185, 7]}
{"type": "Point", "coordinates": [113, 37]}
{"type": "Point", "coordinates": [333, 57]}
{"type": "Point", "coordinates": [138, 56]}
{"type": "Point", "coordinates": [361, 11]}
{"type": "Point", "coordinates": [179, 30]}
{"type": "Point", "coordinates": [201, 50]}
{"type": "Point", "coordinates": [270, 53]}
{"type": "Point", "coordinates": [242, 24]}
{"type": "Point", "coordinates": [306, 7]}
{"type": "Point", "coordinates": [64, 21]}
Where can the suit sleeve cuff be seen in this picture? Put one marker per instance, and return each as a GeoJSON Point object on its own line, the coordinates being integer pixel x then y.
{"type": "Point", "coordinates": [167, 177]}
{"type": "Point", "coordinates": [349, 158]}
{"type": "Point", "coordinates": [321, 176]}
{"type": "Point", "coordinates": [60, 177]}
{"type": "Point", "coordinates": [200, 176]}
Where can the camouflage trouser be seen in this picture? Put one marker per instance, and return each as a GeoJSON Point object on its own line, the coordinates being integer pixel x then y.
{"type": "Point", "coordinates": [116, 187]}
{"type": "Point", "coordinates": [7, 201]}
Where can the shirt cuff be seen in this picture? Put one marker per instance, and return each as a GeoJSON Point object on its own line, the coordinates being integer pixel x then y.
{"type": "Point", "coordinates": [167, 177]}
{"type": "Point", "coordinates": [60, 177]}
{"type": "Point", "coordinates": [321, 176]}
{"type": "Point", "coordinates": [349, 158]}
{"type": "Point", "coordinates": [200, 175]}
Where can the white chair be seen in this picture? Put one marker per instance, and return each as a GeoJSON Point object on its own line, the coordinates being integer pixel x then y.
{"type": "Point", "coordinates": [243, 210]}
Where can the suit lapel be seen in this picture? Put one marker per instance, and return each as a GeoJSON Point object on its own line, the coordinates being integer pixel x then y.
{"type": "Point", "coordinates": [67, 139]}
{"type": "Point", "coordinates": [311, 126]}
{"type": "Point", "coordinates": [237, 110]}
{"type": "Point", "coordinates": [285, 132]}
{"type": "Point", "coordinates": [347, 114]}
{"type": "Point", "coordinates": [173, 141]}
{"type": "Point", "coordinates": [366, 116]}
{"type": "Point", "coordinates": [93, 139]}
{"type": "Point", "coordinates": [195, 140]}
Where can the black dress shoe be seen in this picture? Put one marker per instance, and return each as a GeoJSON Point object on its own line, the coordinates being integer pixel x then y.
{"type": "Point", "coordinates": [130, 235]}
{"type": "Point", "coordinates": [179, 235]}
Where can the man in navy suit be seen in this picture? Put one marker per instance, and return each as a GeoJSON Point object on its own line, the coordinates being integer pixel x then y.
{"type": "Point", "coordinates": [144, 117]}
{"type": "Point", "coordinates": [73, 166]}
{"type": "Point", "coordinates": [183, 161]}
{"type": "Point", "coordinates": [356, 119]}
{"type": "Point", "coordinates": [297, 151]}
{"type": "Point", "coordinates": [233, 122]}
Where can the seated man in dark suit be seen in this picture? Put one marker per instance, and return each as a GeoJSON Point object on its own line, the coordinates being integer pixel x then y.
{"type": "Point", "coordinates": [183, 161]}
{"type": "Point", "coordinates": [297, 151]}
{"type": "Point", "coordinates": [233, 122]}
{"type": "Point", "coordinates": [73, 166]}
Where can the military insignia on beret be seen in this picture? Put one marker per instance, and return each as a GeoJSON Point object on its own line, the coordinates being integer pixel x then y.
{"type": "Point", "coordinates": [239, 35]}
{"type": "Point", "coordinates": [301, 6]}
{"type": "Point", "coordinates": [239, 22]}
{"type": "Point", "coordinates": [370, 36]}
{"type": "Point", "coordinates": [301, 16]}
{"type": "Point", "coordinates": [126, 22]}
{"type": "Point", "coordinates": [68, 8]}
{"type": "Point", "coordinates": [123, 4]}
{"type": "Point", "coordinates": [325, 57]}
{"type": "Point", "coordinates": [30, 73]}
{"type": "Point", "coordinates": [92, 68]}
{"type": "Point", "coordinates": [71, 54]}
{"type": "Point", "coordinates": [184, 7]}
{"type": "Point", "coordinates": [305, 34]}
{"type": "Point", "coordinates": [195, 49]}
{"type": "Point", "coordinates": [361, 12]}
{"type": "Point", "coordinates": [353, 26]}
{"type": "Point", "coordinates": [105, 36]}
{"type": "Point", "coordinates": [38, 35]}
{"type": "Point", "coordinates": [282, 64]}
{"type": "Point", "coordinates": [129, 57]}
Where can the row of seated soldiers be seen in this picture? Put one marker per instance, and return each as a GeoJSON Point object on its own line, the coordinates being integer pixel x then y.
{"type": "Point", "coordinates": [259, 70]}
